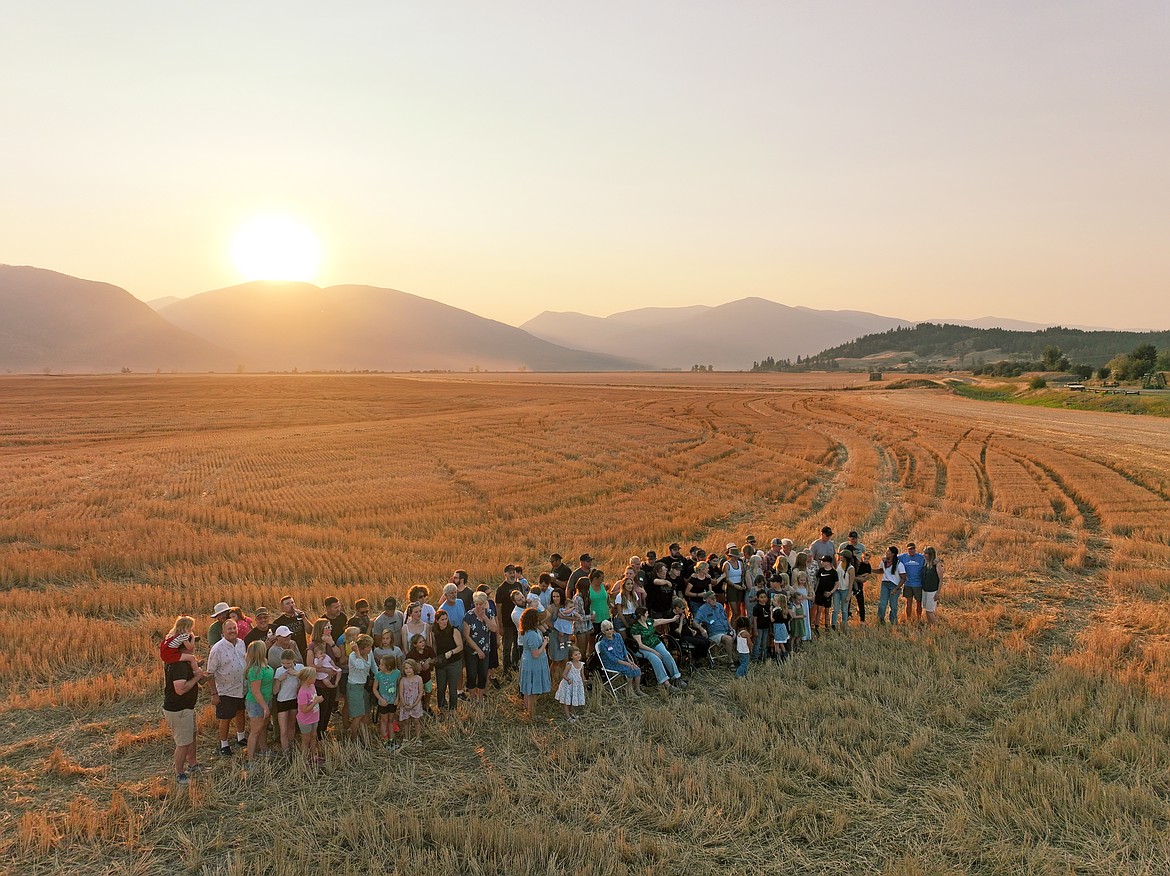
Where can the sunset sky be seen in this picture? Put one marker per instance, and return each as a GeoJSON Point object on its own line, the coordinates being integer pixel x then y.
{"type": "Point", "coordinates": [917, 159]}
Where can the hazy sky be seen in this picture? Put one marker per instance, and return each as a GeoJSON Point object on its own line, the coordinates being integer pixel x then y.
{"type": "Point", "coordinates": [918, 159]}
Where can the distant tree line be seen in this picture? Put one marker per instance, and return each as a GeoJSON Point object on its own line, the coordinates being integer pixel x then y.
{"type": "Point", "coordinates": [925, 340]}
{"type": "Point", "coordinates": [1136, 364]}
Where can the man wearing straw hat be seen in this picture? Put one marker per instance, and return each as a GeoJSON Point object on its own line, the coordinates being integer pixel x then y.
{"type": "Point", "coordinates": [218, 616]}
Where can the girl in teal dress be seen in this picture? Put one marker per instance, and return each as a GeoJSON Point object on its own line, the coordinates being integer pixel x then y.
{"type": "Point", "coordinates": [534, 671]}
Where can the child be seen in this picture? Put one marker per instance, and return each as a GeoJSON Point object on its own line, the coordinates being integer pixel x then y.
{"type": "Point", "coordinates": [179, 643]}
{"type": "Point", "coordinates": [571, 691]}
{"type": "Point", "coordinates": [386, 690]}
{"type": "Point", "coordinates": [287, 681]}
{"type": "Point", "coordinates": [780, 618]}
{"type": "Point", "coordinates": [258, 678]}
{"type": "Point", "coordinates": [243, 622]}
{"type": "Point", "coordinates": [388, 647]}
{"type": "Point", "coordinates": [743, 645]}
{"type": "Point", "coordinates": [801, 588]}
{"type": "Point", "coordinates": [308, 710]}
{"type": "Point", "coordinates": [796, 625]}
{"type": "Point", "coordinates": [761, 622]}
{"type": "Point", "coordinates": [327, 678]}
{"type": "Point", "coordinates": [410, 705]}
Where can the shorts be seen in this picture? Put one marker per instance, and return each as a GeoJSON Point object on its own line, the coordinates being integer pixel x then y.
{"type": "Point", "coordinates": [929, 600]}
{"type": "Point", "coordinates": [254, 709]}
{"type": "Point", "coordinates": [182, 724]}
{"type": "Point", "coordinates": [307, 729]}
{"type": "Point", "coordinates": [228, 707]}
{"type": "Point", "coordinates": [386, 710]}
{"type": "Point", "coordinates": [285, 706]}
{"type": "Point", "coordinates": [912, 594]}
{"type": "Point", "coordinates": [717, 638]}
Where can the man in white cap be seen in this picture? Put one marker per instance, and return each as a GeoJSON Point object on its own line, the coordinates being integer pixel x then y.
{"type": "Point", "coordinates": [218, 616]}
{"type": "Point", "coordinates": [225, 668]}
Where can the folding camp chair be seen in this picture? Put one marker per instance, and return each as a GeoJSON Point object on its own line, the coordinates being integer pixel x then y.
{"type": "Point", "coordinates": [611, 680]}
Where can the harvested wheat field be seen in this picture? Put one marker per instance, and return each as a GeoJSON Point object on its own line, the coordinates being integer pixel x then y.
{"type": "Point", "coordinates": [1028, 733]}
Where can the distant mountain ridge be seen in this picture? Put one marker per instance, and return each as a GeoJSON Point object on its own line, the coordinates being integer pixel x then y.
{"type": "Point", "coordinates": [282, 326]}
{"type": "Point", "coordinates": [729, 336]}
{"type": "Point", "coordinates": [55, 322]}
{"type": "Point", "coordinates": [676, 337]}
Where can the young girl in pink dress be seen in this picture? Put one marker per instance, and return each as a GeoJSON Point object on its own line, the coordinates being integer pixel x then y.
{"type": "Point", "coordinates": [410, 700]}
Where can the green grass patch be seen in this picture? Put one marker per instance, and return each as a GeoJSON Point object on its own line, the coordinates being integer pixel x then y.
{"type": "Point", "coordinates": [1151, 405]}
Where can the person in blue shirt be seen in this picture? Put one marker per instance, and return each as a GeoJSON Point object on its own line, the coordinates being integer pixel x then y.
{"type": "Point", "coordinates": [453, 605]}
{"type": "Point", "coordinates": [712, 619]}
{"type": "Point", "coordinates": [914, 563]}
{"type": "Point", "coordinates": [614, 657]}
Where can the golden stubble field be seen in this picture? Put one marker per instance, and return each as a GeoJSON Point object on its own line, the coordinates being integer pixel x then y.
{"type": "Point", "coordinates": [1028, 734]}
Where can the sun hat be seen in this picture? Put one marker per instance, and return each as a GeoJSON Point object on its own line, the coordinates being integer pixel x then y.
{"type": "Point", "coordinates": [220, 608]}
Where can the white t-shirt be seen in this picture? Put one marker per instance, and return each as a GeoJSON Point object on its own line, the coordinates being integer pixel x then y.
{"type": "Point", "coordinates": [894, 575]}
{"type": "Point", "coordinates": [741, 645]}
{"type": "Point", "coordinates": [288, 683]}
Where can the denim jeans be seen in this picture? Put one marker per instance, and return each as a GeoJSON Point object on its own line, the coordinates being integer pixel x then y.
{"type": "Point", "coordinates": [656, 663]}
{"type": "Point", "coordinates": [744, 659]}
{"type": "Point", "coordinates": [841, 608]}
{"type": "Point", "coordinates": [760, 648]}
{"type": "Point", "coordinates": [889, 597]}
{"type": "Point", "coordinates": [667, 658]}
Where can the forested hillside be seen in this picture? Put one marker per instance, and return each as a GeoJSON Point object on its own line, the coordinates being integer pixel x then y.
{"type": "Point", "coordinates": [930, 340]}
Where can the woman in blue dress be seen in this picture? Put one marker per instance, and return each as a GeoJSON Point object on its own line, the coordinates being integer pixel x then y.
{"type": "Point", "coordinates": [534, 672]}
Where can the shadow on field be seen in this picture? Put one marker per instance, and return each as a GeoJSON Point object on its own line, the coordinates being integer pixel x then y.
{"type": "Point", "coordinates": [875, 752]}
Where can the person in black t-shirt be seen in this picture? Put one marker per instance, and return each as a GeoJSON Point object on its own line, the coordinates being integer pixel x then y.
{"type": "Point", "coordinates": [361, 616]}
{"type": "Point", "coordinates": [686, 563]}
{"type": "Point", "coordinates": [826, 583]}
{"type": "Point", "coordinates": [294, 619]}
{"type": "Point", "coordinates": [761, 624]}
{"type": "Point", "coordinates": [466, 595]}
{"type": "Point", "coordinates": [262, 629]}
{"type": "Point", "coordinates": [508, 631]}
{"type": "Point", "coordinates": [559, 568]}
{"type": "Point", "coordinates": [334, 617]}
{"type": "Point", "coordinates": [179, 700]}
{"type": "Point", "coordinates": [660, 593]}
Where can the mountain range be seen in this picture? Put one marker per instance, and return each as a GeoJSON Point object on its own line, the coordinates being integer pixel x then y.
{"type": "Point", "coordinates": [54, 322]}
{"type": "Point", "coordinates": [730, 336]}
{"type": "Point", "coordinates": [282, 326]}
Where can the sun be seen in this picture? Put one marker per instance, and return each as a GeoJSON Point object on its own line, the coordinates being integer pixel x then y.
{"type": "Point", "coordinates": [275, 246]}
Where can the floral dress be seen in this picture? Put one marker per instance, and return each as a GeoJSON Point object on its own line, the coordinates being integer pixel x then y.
{"type": "Point", "coordinates": [571, 691]}
{"type": "Point", "coordinates": [410, 690]}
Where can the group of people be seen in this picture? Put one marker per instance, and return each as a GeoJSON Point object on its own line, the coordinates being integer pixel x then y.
{"type": "Point", "coordinates": [290, 677]}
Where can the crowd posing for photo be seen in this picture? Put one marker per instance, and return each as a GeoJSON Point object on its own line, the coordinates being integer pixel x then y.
{"type": "Point", "coordinates": [280, 681]}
